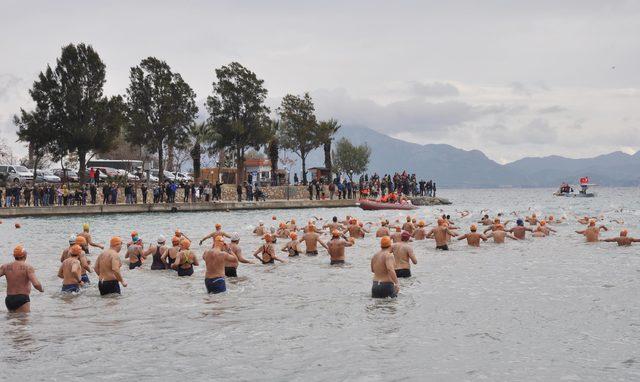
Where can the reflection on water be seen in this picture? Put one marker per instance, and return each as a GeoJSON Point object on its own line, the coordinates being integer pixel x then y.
{"type": "Point", "coordinates": [545, 309]}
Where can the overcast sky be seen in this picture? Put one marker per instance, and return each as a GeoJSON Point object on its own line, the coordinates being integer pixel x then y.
{"type": "Point", "coordinates": [510, 78]}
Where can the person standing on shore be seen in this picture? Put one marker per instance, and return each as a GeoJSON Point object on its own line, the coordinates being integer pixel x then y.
{"type": "Point", "coordinates": [107, 268]}
{"type": "Point", "coordinates": [20, 277]}
{"type": "Point", "coordinates": [385, 281]}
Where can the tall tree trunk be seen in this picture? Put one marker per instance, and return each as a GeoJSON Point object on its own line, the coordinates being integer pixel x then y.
{"type": "Point", "coordinates": [82, 156]}
{"type": "Point", "coordinates": [35, 167]}
{"type": "Point", "coordinates": [274, 157]}
{"type": "Point", "coordinates": [30, 156]}
{"type": "Point", "coordinates": [304, 168]}
{"type": "Point", "coordinates": [239, 166]}
{"type": "Point", "coordinates": [160, 165]}
{"type": "Point", "coordinates": [196, 153]}
{"type": "Point", "coordinates": [170, 156]}
{"type": "Point", "coordinates": [327, 158]}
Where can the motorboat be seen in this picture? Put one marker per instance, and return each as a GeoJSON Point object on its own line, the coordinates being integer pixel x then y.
{"type": "Point", "coordinates": [567, 190]}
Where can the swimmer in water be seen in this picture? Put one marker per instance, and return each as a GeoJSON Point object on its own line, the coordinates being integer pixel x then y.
{"type": "Point", "coordinates": [159, 252]}
{"type": "Point", "coordinates": [260, 229]}
{"type": "Point", "coordinates": [441, 233]}
{"type": "Point", "coordinates": [71, 271]}
{"type": "Point", "coordinates": [485, 220]}
{"type": "Point", "coordinates": [499, 235]}
{"type": "Point", "coordinates": [544, 229]}
{"type": "Point", "coordinates": [283, 231]}
{"type": "Point", "coordinates": [291, 226]}
{"type": "Point", "coordinates": [336, 247]}
{"type": "Point", "coordinates": [311, 240]}
{"type": "Point", "coordinates": [356, 230]}
{"type": "Point", "coordinates": [409, 226]}
{"type": "Point", "coordinates": [20, 277]}
{"type": "Point", "coordinates": [402, 253]}
{"type": "Point", "coordinates": [421, 232]}
{"type": "Point", "coordinates": [231, 265]}
{"type": "Point", "coordinates": [293, 246]}
{"type": "Point", "coordinates": [333, 225]}
{"type": "Point", "coordinates": [108, 268]}
{"type": "Point", "coordinates": [520, 231]}
{"type": "Point", "coordinates": [473, 237]}
{"type": "Point", "coordinates": [135, 253]}
{"type": "Point", "coordinates": [215, 259]}
{"type": "Point", "coordinates": [267, 252]}
{"type": "Point", "coordinates": [87, 236]}
{"type": "Point", "coordinates": [186, 259]}
{"type": "Point", "coordinates": [383, 266]}
{"type": "Point", "coordinates": [214, 234]}
{"type": "Point", "coordinates": [592, 233]}
{"type": "Point", "coordinates": [172, 253]}
{"type": "Point", "coordinates": [623, 240]}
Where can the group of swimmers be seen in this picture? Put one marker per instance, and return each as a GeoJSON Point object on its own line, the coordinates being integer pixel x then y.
{"type": "Point", "coordinates": [392, 261]}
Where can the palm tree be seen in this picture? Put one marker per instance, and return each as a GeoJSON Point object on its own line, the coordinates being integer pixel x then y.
{"type": "Point", "coordinates": [327, 130]}
{"type": "Point", "coordinates": [273, 150]}
{"type": "Point", "coordinates": [202, 137]}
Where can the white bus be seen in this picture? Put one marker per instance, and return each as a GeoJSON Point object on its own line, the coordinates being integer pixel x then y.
{"type": "Point", "coordinates": [132, 166]}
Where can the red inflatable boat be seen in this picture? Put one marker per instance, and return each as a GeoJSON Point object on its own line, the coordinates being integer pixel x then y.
{"type": "Point", "coordinates": [372, 205]}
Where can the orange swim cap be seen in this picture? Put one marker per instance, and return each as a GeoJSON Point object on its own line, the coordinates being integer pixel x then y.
{"type": "Point", "coordinates": [19, 252]}
{"type": "Point", "coordinates": [268, 238]}
{"type": "Point", "coordinates": [134, 233]}
{"type": "Point", "coordinates": [293, 235]}
{"type": "Point", "coordinates": [398, 229]}
{"type": "Point", "coordinates": [75, 250]}
{"type": "Point", "coordinates": [335, 233]}
{"type": "Point", "coordinates": [421, 223]}
{"type": "Point", "coordinates": [474, 228]}
{"type": "Point", "coordinates": [185, 244]}
{"type": "Point", "coordinates": [80, 240]}
{"type": "Point", "coordinates": [218, 225]}
{"type": "Point", "coordinates": [542, 222]}
{"type": "Point", "coordinates": [282, 225]}
{"type": "Point", "coordinates": [17, 225]}
{"type": "Point", "coordinates": [592, 223]}
{"type": "Point", "coordinates": [623, 232]}
{"type": "Point", "coordinates": [175, 240]}
{"type": "Point", "coordinates": [550, 218]}
{"type": "Point", "coordinates": [385, 242]}
{"type": "Point", "coordinates": [115, 241]}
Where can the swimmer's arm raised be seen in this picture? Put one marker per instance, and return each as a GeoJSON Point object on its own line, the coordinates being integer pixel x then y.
{"type": "Point", "coordinates": [209, 236]}
{"type": "Point", "coordinates": [463, 237]}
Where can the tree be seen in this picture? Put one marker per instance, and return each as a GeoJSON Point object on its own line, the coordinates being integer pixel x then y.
{"type": "Point", "coordinates": [298, 127]}
{"type": "Point", "coordinates": [38, 127]}
{"type": "Point", "coordinates": [160, 107]}
{"type": "Point", "coordinates": [237, 112]}
{"type": "Point", "coordinates": [273, 151]}
{"type": "Point", "coordinates": [351, 159]}
{"type": "Point", "coordinates": [201, 138]}
{"type": "Point", "coordinates": [86, 119]}
{"type": "Point", "coordinates": [327, 130]}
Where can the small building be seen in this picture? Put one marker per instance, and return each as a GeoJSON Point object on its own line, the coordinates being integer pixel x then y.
{"type": "Point", "coordinates": [318, 173]}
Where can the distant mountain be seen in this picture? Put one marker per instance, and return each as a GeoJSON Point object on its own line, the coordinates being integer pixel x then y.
{"type": "Point", "coordinates": [453, 167]}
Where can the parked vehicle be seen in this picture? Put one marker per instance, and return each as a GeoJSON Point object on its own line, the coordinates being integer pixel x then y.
{"type": "Point", "coordinates": [67, 175]}
{"type": "Point", "coordinates": [15, 173]}
{"type": "Point", "coordinates": [168, 175]}
{"type": "Point", "coordinates": [46, 176]}
{"type": "Point", "coordinates": [181, 176]}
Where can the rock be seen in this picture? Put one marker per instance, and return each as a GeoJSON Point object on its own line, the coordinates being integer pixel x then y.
{"type": "Point", "coordinates": [428, 201]}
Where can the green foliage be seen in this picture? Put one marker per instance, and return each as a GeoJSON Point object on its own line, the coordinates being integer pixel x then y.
{"type": "Point", "coordinates": [298, 127]}
{"type": "Point", "coordinates": [237, 111]}
{"type": "Point", "coordinates": [202, 138]}
{"type": "Point", "coordinates": [273, 150]}
{"type": "Point", "coordinates": [327, 130]}
{"type": "Point", "coordinates": [160, 107]}
{"type": "Point", "coordinates": [351, 159]}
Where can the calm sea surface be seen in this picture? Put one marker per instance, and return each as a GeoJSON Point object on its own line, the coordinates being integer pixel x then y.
{"type": "Point", "coordinates": [543, 309]}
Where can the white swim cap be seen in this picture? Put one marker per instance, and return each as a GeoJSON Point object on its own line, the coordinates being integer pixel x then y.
{"type": "Point", "coordinates": [261, 222]}
{"type": "Point", "coordinates": [161, 239]}
{"type": "Point", "coordinates": [235, 236]}
{"type": "Point", "coordinates": [72, 239]}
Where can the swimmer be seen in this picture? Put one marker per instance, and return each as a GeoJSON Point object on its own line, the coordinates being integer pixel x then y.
{"type": "Point", "coordinates": [485, 220]}
{"type": "Point", "coordinates": [135, 253]}
{"type": "Point", "coordinates": [592, 233]}
{"type": "Point", "coordinates": [159, 252]}
{"type": "Point", "coordinates": [409, 226]}
{"type": "Point", "coordinates": [441, 233]}
{"type": "Point", "coordinates": [464, 214]}
{"type": "Point", "coordinates": [180, 235]}
{"type": "Point", "coordinates": [107, 268]}
{"type": "Point", "coordinates": [543, 228]}
{"type": "Point", "coordinates": [84, 262]}
{"type": "Point", "coordinates": [499, 235]}
{"type": "Point", "coordinates": [311, 227]}
{"type": "Point", "coordinates": [532, 220]}
{"type": "Point", "coordinates": [519, 231]}
{"type": "Point", "coordinates": [384, 229]}
{"type": "Point", "coordinates": [473, 237]}
{"type": "Point", "coordinates": [383, 266]}
{"type": "Point", "coordinates": [311, 240]}
{"type": "Point", "coordinates": [421, 232]}
{"type": "Point", "coordinates": [623, 240]}
{"type": "Point", "coordinates": [186, 259]}
{"type": "Point", "coordinates": [260, 229]}
{"type": "Point", "coordinates": [20, 277]}
{"type": "Point", "coordinates": [87, 236]}
{"type": "Point", "coordinates": [291, 226]}
{"type": "Point", "coordinates": [283, 231]}
{"type": "Point", "coordinates": [172, 253]}
{"type": "Point", "coordinates": [402, 253]}
{"type": "Point", "coordinates": [267, 252]}
{"type": "Point", "coordinates": [215, 259]}
{"type": "Point", "coordinates": [336, 246]}
{"type": "Point", "coordinates": [71, 271]}
{"type": "Point", "coordinates": [333, 225]}
{"type": "Point", "coordinates": [293, 246]}
{"type": "Point", "coordinates": [217, 232]}
{"type": "Point", "coordinates": [231, 265]}
{"type": "Point", "coordinates": [356, 230]}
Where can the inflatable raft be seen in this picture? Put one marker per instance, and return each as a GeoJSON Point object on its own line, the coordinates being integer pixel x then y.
{"type": "Point", "coordinates": [372, 205]}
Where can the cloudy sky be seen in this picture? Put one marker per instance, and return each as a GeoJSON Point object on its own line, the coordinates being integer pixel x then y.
{"type": "Point", "coordinates": [511, 78]}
